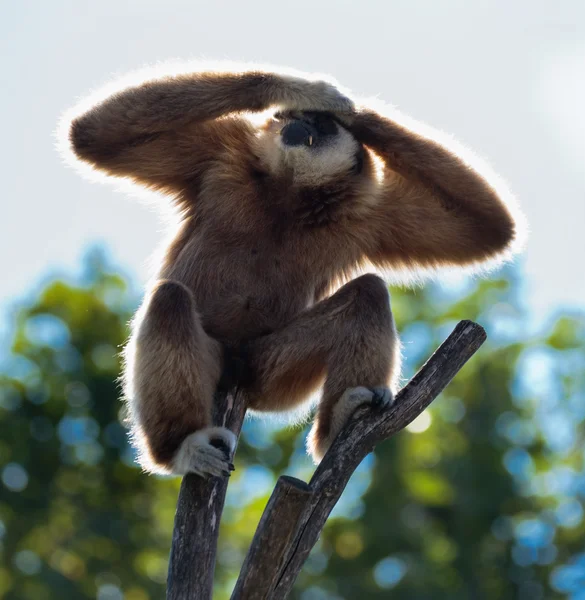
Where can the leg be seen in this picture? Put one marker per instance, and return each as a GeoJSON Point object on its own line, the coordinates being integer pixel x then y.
{"type": "Point", "coordinates": [172, 369]}
{"type": "Point", "coordinates": [349, 341]}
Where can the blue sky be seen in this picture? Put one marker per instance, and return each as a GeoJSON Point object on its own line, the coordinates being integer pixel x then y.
{"type": "Point", "coordinates": [504, 78]}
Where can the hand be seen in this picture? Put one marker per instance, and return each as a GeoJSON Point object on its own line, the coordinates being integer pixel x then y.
{"type": "Point", "coordinates": [347, 119]}
{"type": "Point", "coordinates": [300, 94]}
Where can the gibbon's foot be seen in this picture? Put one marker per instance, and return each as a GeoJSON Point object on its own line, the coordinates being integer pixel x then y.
{"type": "Point", "coordinates": [350, 400]}
{"type": "Point", "coordinates": [382, 396]}
{"type": "Point", "coordinates": [221, 444]}
{"type": "Point", "coordinates": [206, 452]}
{"type": "Point", "coordinates": [354, 397]}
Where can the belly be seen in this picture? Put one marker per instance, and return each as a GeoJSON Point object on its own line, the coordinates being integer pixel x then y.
{"type": "Point", "coordinates": [245, 314]}
{"type": "Point", "coordinates": [241, 296]}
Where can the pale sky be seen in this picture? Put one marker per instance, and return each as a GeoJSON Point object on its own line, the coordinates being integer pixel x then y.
{"type": "Point", "coordinates": [505, 78]}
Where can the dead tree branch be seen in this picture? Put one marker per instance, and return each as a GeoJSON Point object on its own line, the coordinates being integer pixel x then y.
{"type": "Point", "coordinates": [302, 516]}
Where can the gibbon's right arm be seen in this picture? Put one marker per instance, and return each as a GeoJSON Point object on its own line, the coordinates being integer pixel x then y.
{"type": "Point", "coordinates": [163, 131]}
{"type": "Point", "coordinates": [437, 207]}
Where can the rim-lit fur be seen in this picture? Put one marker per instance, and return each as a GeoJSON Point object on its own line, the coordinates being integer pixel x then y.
{"type": "Point", "coordinates": [307, 166]}
{"type": "Point", "coordinates": [249, 289]}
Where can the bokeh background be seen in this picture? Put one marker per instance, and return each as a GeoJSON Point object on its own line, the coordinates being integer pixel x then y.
{"type": "Point", "coordinates": [482, 497]}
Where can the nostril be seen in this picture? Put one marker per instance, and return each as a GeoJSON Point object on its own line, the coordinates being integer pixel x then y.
{"type": "Point", "coordinates": [296, 134]}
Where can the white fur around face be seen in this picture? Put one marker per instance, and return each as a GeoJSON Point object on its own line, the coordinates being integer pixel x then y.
{"type": "Point", "coordinates": [313, 166]}
{"type": "Point", "coordinates": [197, 455]}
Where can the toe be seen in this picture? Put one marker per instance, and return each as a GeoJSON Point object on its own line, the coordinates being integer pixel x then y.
{"type": "Point", "coordinates": [382, 396]}
{"type": "Point", "coordinates": [211, 461]}
{"type": "Point", "coordinates": [222, 446]}
{"type": "Point", "coordinates": [217, 468]}
{"type": "Point", "coordinates": [218, 465]}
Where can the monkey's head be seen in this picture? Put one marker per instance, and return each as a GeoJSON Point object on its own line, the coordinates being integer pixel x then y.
{"type": "Point", "coordinates": [312, 147]}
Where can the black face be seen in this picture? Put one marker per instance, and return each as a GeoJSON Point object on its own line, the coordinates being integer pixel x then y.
{"type": "Point", "coordinates": [307, 128]}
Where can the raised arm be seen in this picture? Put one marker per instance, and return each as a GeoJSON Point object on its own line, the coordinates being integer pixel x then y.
{"type": "Point", "coordinates": [434, 208]}
{"type": "Point", "coordinates": [161, 131]}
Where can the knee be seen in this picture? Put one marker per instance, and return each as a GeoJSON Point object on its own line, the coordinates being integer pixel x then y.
{"type": "Point", "coordinates": [372, 283]}
{"type": "Point", "coordinates": [170, 297]}
{"type": "Point", "coordinates": [171, 310]}
{"type": "Point", "coordinates": [372, 293]}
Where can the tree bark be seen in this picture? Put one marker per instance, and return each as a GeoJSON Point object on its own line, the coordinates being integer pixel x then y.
{"type": "Point", "coordinates": [275, 534]}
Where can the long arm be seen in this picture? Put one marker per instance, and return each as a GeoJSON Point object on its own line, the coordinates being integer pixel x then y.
{"type": "Point", "coordinates": [434, 207]}
{"type": "Point", "coordinates": [160, 132]}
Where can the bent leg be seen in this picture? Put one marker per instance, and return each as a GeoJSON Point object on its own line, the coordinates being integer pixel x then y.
{"type": "Point", "coordinates": [349, 341]}
{"type": "Point", "coordinates": [172, 369]}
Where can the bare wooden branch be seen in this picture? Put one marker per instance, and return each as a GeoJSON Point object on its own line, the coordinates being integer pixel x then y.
{"type": "Point", "coordinates": [275, 533]}
{"type": "Point", "coordinates": [199, 508]}
{"type": "Point", "coordinates": [271, 575]}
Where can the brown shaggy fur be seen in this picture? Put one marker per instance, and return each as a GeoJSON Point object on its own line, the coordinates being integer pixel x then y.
{"type": "Point", "coordinates": [265, 240]}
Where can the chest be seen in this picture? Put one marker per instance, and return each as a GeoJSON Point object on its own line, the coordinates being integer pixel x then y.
{"type": "Point", "coordinates": [250, 227]}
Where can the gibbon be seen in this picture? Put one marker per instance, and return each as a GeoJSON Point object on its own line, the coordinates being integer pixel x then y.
{"type": "Point", "coordinates": [276, 219]}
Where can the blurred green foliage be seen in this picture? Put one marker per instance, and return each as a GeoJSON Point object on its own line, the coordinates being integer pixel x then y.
{"type": "Point", "coordinates": [481, 497]}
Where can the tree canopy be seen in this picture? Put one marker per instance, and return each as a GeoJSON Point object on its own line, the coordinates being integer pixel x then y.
{"type": "Point", "coordinates": [481, 497]}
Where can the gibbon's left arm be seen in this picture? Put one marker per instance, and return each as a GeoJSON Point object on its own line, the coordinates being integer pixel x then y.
{"type": "Point", "coordinates": [435, 209]}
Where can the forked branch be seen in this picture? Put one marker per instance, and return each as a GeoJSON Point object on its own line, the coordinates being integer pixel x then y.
{"type": "Point", "coordinates": [296, 512]}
